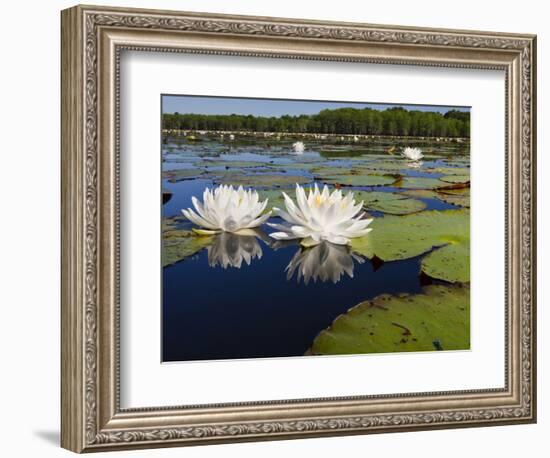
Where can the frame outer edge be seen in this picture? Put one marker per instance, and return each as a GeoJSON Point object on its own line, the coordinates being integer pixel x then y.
{"type": "Point", "coordinates": [72, 225]}
{"type": "Point", "coordinates": [81, 425]}
{"type": "Point", "coordinates": [533, 227]}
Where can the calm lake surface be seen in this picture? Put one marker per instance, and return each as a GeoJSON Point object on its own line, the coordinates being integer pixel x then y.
{"type": "Point", "coordinates": [262, 310]}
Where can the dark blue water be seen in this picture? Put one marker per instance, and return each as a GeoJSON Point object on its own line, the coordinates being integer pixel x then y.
{"type": "Point", "coordinates": [256, 312]}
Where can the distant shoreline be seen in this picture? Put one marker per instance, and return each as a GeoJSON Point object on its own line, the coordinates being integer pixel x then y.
{"type": "Point", "coordinates": [306, 135]}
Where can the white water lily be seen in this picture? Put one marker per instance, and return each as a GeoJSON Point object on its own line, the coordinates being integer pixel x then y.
{"type": "Point", "coordinates": [225, 209]}
{"type": "Point", "coordinates": [230, 250]}
{"type": "Point", "coordinates": [323, 262]}
{"type": "Point", "coordinates": [413, 154]}
{"type": "Point", "coordinates": [321, 216]}
{"type": "Point", "coordinates": [231, 137]}
{"type": "Point", "coordinates": [298, 147]}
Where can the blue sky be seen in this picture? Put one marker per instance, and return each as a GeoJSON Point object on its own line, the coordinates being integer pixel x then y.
{"type": "Point", "coordinates": [272, 107]}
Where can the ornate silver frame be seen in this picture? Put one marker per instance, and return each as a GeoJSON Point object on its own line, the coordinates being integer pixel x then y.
{"type": "Point", "coordinates": [92, 39]}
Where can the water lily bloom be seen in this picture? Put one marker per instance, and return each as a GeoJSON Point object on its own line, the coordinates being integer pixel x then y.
{"type": "Point", "coordinates": [298, 147]}
{"type": "Point", "coordinates": [321, 216]}
{"type": "Point", "coordinates": [230, 250]}
{"type": "Point", "coordinates": [231, 137]}
{"type": "Point", "coordinates": [323, 262]}
{"type": "Point", "coordinates": [225, 209]}
{"type": "Point", "coordinates": [413, 154]}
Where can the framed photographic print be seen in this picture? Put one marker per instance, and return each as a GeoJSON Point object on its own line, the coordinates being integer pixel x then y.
{"type": "Point", "coordinates": [278, 228]}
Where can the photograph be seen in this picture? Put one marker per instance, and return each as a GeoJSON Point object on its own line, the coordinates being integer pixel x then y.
{"type": "Point", "coordinates": [302, 228]}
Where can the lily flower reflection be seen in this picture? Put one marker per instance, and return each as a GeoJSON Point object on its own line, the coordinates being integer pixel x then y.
{"type": "Point", "coordinates": [415, 165]}
{"type": "Point", "coordinates": [323, 262]}
{"type": "Point", "coordinates": [230, 250]}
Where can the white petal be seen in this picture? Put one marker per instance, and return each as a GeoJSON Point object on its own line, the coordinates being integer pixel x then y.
{"type": "Point", "coordinates": [282, 236]}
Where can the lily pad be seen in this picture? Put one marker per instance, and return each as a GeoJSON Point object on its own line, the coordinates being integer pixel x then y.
{"type": "Point", "coordinates": [422, 193]}
{"type": "Point", "coordinates": [306, 166]}
{"type": "Point", "coordinates": [460, 197]}
{"type": "Point", "coordinates": [381, 166]}
{"type": "Point", "coordinates": [458, 160]}
{"type": "Point", "coordinates": [450, 170]}
{"type": "Point", "coordinates": [342, 152]}
{"type": "Point", "coordinates": [180, 244]}
{"type": "Point", "coordinates": [327, 171]}
{"type": "Point", "coordinates": [419, 183]}
{"type": "Point", "coordinates": [402, 237]}
{"type": "Point", "coordinates": [456, 178]}
{"type": "Point", "coordinates": [436, 319]}
{"type": "Point", "coordinates": [235, 164]}
{"type": "Point", "coordinates": [275, 197]}
{"type": "Point", "coordinates": [265, 180]}
{"type": "Point", "coordinates": [389, 202]}
{"type": "Point", "coordinates": [360, 180]}
{"type": "Point", "coordinates": [174, 176]}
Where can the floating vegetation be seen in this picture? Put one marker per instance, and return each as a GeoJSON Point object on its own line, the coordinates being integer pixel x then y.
{"type": "Point", "coordinates": [180, 244]}
{"type": "Point", "coordinates": [174, 176]}
{"type": "Point", "coordinates": [360, 180]}
{"type": "Point", "coordinates": [234, 164]}
{"type": "Point", "coordinates": [263, 180]}
{"type": "Point", "coordinates": [389, 202]}
{"type": "Point", "coordinates": [438, 319]}
{"type": "Point", "coordinates": [456, 179]}
{"type": "Point", "coordinates": [418, 183]}
{"type": "Point", "coordinates": [459, 197]}
{"type": "Point", "coordinates": [442, 236]}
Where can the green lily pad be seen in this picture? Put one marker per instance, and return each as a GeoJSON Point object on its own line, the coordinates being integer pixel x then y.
{"type": "Point", "coordinates": [423, 193]}
{"type": "Point", "coordinates": [174, 176]}
{"type": "Point", "coordinates": [436, 319]}
{"type": "Point", "coordinates": [275, 197]}
{"type": "Point", "coordinates": [265, 180]}
{"type": "Point", "coordinates": [450, 170]}
{"type": "Point", "coordinates": [306, 166]}
{"type": "Point", "coordinates": [342, 152]}
{"type": "Point", "coordinates": [419, 183]}
{"type": "Point", "coordinates": [179, 244]}
{"type": "Point", "coordinates": [360, 180]}
{"type": "Point", "coordinates": [328, 171]}
{"type": "Point", "coordinates": [450, 263]}
{"type": "Point", "coordinates": [402, 237]}
{"type": "Point", "coordinates": [389, 202]}
{"type": "Point", "coordinates": [381, 166]}
{"type": "Point", "coordinates": [235, 164]}
{"type": "Point", "coordinates": [456, 178]}
{"type": "Point", "coordinates": [458, 160]}
{"type": "Point", "coordinates": [459, 197]}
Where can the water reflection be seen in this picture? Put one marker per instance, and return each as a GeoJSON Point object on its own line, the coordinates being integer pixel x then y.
{"type": "Point", "coordinates": [230, 250]}
{"type": "Point", "coordinates": [323, 262]}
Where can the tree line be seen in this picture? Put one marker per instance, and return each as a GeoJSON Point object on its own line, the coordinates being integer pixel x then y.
{"type": "Point", "coordinates": [366, 121]}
